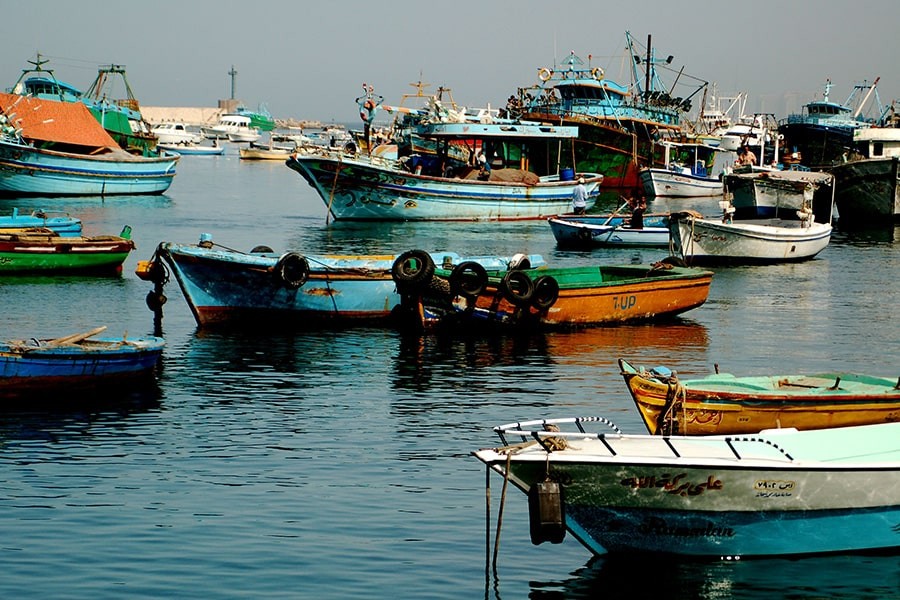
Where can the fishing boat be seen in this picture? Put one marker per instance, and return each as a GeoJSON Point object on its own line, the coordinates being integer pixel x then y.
{"type": "Point", "coordinates": [518, 178]}
{"type": "Point", "coordinates": [545, 298]}
{"type": "Point", "coordinates": [765, 193]}
{"type": "Point", "coordinates": [226, 287]}
{"type": "Point", "coordinates": [772, 493]}
{"type": "Point", "coordinates": [725, 404]}
{"type": "Point", "coordinates": [63, 225]}
{"type": "Point", "coordinates": [109, 98]}
{"type": "Point", "coordinates": [867, 185]}
{"type": "Point", "coordinates": [53, 148]}
{"type": "Point", "coordinates": [822, 132]}
{"type": "Point", "coordinates": [270, 151]}
{"type": "Point", "coordinates": [74, 363]}
{"type": "Point", "coordinates": [619, 123]}
{"type": "Point", "coordinates": [41, 250]}
{"type": "Point", "coordinates": [690, 169]}
{"type": "Point", "coordinates": [696, 240]}
{"type": "Point", "coordinates": [593, 231]}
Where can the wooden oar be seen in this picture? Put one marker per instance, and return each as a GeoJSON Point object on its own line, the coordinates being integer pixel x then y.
{"type": "Point", "coordinates": [613, 216]}
{"type": "Point", "coordinates": [76, 337]}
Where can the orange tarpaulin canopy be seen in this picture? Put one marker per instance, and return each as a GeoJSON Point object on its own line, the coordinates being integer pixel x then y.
{"type": "Point", "coordinates": [53, 121]}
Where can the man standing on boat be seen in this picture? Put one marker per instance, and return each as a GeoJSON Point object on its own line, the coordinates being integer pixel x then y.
{"type": "Point", "coordinates": [579, 197]}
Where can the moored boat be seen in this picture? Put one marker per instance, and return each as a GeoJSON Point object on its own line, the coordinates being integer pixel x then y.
{"type": "Point", "coordinates": [822, 132]}
{"type": "Point", "coordinates": [777, 492]}
{"type": "Point", "coordinates": [725, 404]}
{"type": "Point", "coordinates": [515, 181]}
{"type": "Point", "coordinates": [690, 169]}
{"type": "Point", "coordinates": [619, 123]}
{"type": "Point", "coordinates": [546, 298]}
{"type": "Point", "coordinates": [74, 363]}
{"type": "Point", "coordinates": [227, 287]}
{"type": "Point", "coordinates": [700, 241]}
{"type": "Point", "coordinates": [52, 148]}
{"type": "Point", "coordinates": [40, 250]}
{"type": "Point", "coordinates": [63, 225]}
{"type": "Point", "coordinates": [867, 185]}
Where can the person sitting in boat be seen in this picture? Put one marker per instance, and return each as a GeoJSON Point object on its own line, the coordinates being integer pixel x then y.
{"type": "Point", "coordinates": [638, 205]}
{"type": "Point", "coordinates": [746, 157]}
{"type": "Point", "coordinates": [579, 197]}
{"type": "Point", "coordinates": [484, 166]}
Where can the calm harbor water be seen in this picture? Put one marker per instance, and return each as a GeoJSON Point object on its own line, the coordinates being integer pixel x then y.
{"type": "Point", "coordinates": [336, 464]}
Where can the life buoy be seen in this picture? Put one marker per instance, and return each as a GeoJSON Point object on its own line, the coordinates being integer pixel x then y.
{"type": "Point", "coordinates": [519, 262]}
{"type": "Point", "coordinates": [413, 267]}
{"type": "Point", "coordinates": [544, 73]}
{"type": "Point", "coordinates": [597, 73]}
{"type": "Point", "coordinates": [517, 288]}
{"type": "Point", "coordinates": [546, 292]}
{"type": "Point", "coordinates": [468, 279]}
{"type": "Point", "coordinates": [292, 270]}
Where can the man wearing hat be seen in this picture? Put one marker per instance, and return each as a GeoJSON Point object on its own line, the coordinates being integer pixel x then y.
{"type": "Point", "coordinates": [579, 197]}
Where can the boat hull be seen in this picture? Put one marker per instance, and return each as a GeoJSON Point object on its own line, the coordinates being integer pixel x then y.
{"type": "Point", "coordinates": [26, 367]}
{"type": "Point", "coordinates": [724, 404]}
{"type": "Point", "coordinates": [25, 170]}
{"type": "Point", "coordinates": [587, 297]}
{"type": "Point", "coordinates": [374, 190]}
{"type": "Point", "coordinates": [780, 194]}
{"type": "Point", "coordinates": [868, 191]}
{"type": "Point", "coordinates": [669, 183]}
{"type": "Point", "coordinates": [33, 253]}
{"type": "Point", "coordinates": [777, 493]}
{"type": "Point", "coordinates": [589, 232]}
{"type": "Point", "coordinates": [702, 241]}
{"type": "Point", "coordinates": [224, 287]}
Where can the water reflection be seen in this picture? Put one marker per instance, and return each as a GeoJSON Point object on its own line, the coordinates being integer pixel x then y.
{"type": "Point", "coordinates": [858, 235]}
{"type": "Point", "coordinates": [838, 576]}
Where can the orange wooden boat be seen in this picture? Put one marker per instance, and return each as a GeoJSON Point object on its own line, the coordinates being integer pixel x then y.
{"type": "Point", "coordinates": [725, 404]}
{"type": "Point", "coordinates": [549, 298]}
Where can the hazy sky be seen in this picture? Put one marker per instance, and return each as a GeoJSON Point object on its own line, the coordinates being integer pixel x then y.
{"type": "Point", "coordinates": [308, 60]}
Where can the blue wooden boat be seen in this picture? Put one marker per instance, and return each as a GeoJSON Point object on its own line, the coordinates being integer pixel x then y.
{"type": "Point", "coordinates": [777, 492]}
{"type": "Point", "coordinates": [225, 286]}
{"type": "Point", "coordinates": [64, 226]}
{"type": "Point", "coordinates": [52, 148]}
{"type": "Point", "coordinates": [517, 182]}
{"type": "Point", "coordinates": [75, 361]}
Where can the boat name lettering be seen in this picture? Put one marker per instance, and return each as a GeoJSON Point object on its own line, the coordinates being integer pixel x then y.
{"type": "Point", "coordinates": [624, 302]}
{"type": "Point", "coordinates": [657, 526]}
{"type": "Point", "coordinates": [673, 484]}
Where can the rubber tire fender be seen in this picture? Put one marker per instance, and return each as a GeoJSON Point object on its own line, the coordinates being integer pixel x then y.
{"type": "Point", "coordinates": [413, 267]}
{"type": "Point", "coordinates": [468, 279]}
{"type": "Point", "coordinates": [546, 292]}
{"type": "Point", "coordinates": [291, 270]}
{"type": "Point", "coordinates": [517, 288]}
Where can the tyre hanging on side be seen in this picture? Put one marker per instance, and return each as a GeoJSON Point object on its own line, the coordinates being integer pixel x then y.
{"type": "Point", "coordinates": [291, 270]}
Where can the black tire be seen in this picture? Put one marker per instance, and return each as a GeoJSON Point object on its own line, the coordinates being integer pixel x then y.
{"type": "Point", "coordinates": [413, 267]}
{"type": "Point", "coordinates": [674, 261]}
{"type": "Point", "coordinates": [468, 279]}
{"type": "Point", "coordinates": [291, 270]}
{"type": "Point", "coordinates": [517, 288]}
{"type": "Point", "coordinates": [155, 300]}
{"type": "Point", "coordinates": [546, 292]}
{"type": "Point", "coordinates": [261, 250]}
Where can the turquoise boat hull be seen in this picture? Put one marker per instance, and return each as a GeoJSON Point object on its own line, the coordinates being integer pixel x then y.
{"type": "Point", "coordinates": [26, 170]}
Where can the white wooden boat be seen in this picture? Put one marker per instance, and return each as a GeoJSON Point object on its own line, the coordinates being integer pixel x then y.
{"type": "Point", "coordinates": [762, 193]}
{"type": "Point", "coordinates": [198, 149]}
{"type": "Point", "coordinates": [588, 231]}
{"type": "Point", "coordinates": [779, 492]}
{"type": "Point", "coordinates": [699, 241]}
{"type": "Point", "coordinates": [690, 170]}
